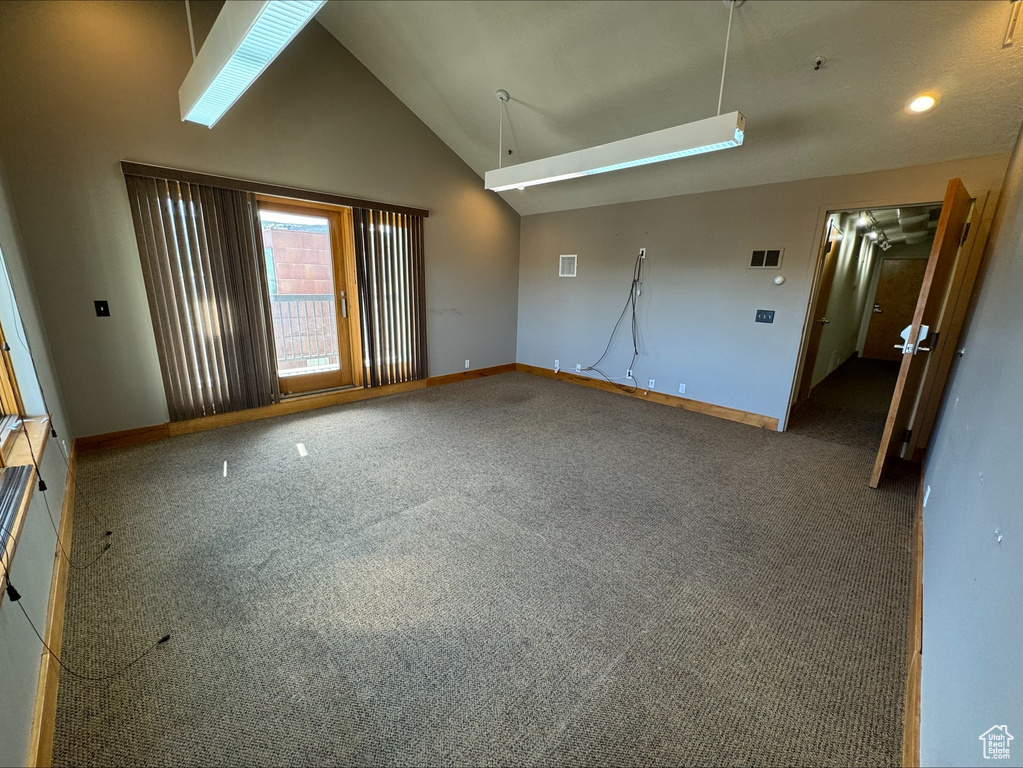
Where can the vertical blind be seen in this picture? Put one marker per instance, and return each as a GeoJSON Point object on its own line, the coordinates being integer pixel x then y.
{"type": "Point", "coordinates": [205, 276]}
{"type": "Point", "coordinates": [392, 295]}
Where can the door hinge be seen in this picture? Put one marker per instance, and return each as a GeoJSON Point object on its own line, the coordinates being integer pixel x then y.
{"type": "Point", "coordinates": [907, 435]}
{"type": "Point", "coordinates": [966, 233]}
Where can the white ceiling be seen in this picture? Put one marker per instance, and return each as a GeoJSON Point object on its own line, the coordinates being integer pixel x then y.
{"type": "Point", "coordinates": [586, 73]}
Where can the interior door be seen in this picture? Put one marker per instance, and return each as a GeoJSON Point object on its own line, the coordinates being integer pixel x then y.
{"type": "Point", "coordinates": [948, 238]}
{"type": "Point", "coordinates": [898, 288]}
{"type": "Point", "coordinates": [311, 299]}
{"type": "Point", "coordinates": [819, 316]}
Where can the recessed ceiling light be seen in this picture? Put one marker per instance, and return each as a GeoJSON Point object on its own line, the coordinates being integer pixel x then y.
{"type": "Point", "coordinates": [921, 103]}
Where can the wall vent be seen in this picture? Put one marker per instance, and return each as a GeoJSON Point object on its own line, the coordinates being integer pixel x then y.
{"type": "Point", "coordinates": [566, 266]}
{"type": "Point", "coordinates": [766, 258]}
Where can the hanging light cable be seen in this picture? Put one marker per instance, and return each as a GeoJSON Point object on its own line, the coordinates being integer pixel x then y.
{"type": "Point", "coordinates": [724, 64]}
{"type": "Point", "coordinates": [708, 135]}
{"type": "Point", "coordinates": [502, 101]}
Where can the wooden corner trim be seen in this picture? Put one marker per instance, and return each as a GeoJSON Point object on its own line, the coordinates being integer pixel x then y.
{"type": "Point", "coordinates": [44, 718]}
{"type": "Point", "coordinates": [709, 409]}
{"type": "Point", "coordinates": [911, 716]}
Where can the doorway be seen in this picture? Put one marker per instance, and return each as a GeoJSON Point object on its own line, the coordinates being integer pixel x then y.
{"type": "Point", "coordinates": [953, 235]}
{"type": "Point", "coordinates": [873, 264]}
{"type": "Point", "coordinates": [310, 276]}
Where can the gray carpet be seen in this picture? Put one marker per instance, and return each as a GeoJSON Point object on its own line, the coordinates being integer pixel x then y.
{"type": "Point", "coordinates": [505, 571]}
{"type": "Point", "coordinates": [849, 406]}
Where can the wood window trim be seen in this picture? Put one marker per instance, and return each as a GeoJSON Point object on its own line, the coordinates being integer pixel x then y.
{"type": "Point", "coordinates": [343, 245]}
{"type": "Point", "coordinates": [11, 404]}
{"type": "Point", "coordinates": [22, 450]}
{"type": "Point", "coordinates": [293, 194]}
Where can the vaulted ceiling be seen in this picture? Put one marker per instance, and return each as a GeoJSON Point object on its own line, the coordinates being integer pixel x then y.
{"type": "Point", "coordinates": [586, 73]}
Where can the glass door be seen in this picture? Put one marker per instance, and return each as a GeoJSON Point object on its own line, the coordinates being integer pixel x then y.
{"type": "Point", "coordinates": [307, 273]}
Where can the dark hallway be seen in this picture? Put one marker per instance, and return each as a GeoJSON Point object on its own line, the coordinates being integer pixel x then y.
{"type": "Point", "coordinates": [849, 407]}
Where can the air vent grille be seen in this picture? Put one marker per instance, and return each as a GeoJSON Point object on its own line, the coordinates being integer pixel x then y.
{"type": "Point", "coordinates": [767, 258]}
{"type": "Point", "coordinates": [566, 266]}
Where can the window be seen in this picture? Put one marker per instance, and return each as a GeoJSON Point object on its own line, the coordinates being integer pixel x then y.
{"type": "Point", "coordinates": [310, 281]}
{"type": "Point", "coordinates": [258, 292]}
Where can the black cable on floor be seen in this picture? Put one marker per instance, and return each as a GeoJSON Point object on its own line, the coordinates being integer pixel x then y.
{"type": "Point", "coordinates": [15, 597]}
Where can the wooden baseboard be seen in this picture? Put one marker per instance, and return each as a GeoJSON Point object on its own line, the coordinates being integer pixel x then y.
{"type": "Point", "coordinates": [44, 718]}
{"type": "Point", "coordinates": [149, 434]}
{"type": "Point", "coordinates": [129, 437]}
{"type": "Point", "coordinates": [911, 715]}
{"type": "Point", "coordinates": [721, 412]}
{"type": "Point", "coordinates": [123, 438]}
{"type": "Point", "coordinates": [451, 378]}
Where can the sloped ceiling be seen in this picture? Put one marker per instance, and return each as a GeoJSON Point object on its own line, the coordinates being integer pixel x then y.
{"type": "Point", "coordinates": [586, 73]}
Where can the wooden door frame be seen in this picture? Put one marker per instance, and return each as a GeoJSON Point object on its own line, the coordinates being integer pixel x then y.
{"type": "Point", "coordinates": [823, 291]}
{"type": "Point", "coordinates": [817, 269]}
{"type": "Point", "coordinates": [342, 242]}
{"type": "Point", "coordinates": [951, 319]}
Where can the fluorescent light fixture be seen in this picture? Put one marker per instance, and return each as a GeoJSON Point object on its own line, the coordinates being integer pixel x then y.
{"type": "Point", "coordinates": [245, 38]}
{"type": "Point", "coordinates": [710, 135]}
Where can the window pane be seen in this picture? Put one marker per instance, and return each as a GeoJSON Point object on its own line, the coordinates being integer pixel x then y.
{"type": "Point", "coordinates": [300, 277]}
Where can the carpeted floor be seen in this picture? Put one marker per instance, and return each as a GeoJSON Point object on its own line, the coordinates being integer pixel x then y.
{"type": "Point", "coordinates": [505, 571]}
{"type": "Point", "coordinates": [850, 405]}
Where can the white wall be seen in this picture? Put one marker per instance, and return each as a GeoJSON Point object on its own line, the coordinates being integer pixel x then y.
{"type": "Point", "coordinates": [89, 84]}
{"type": "Point", "coordinates": [699, 301]}
{"type": "Point", "coordinates": [972, 664]}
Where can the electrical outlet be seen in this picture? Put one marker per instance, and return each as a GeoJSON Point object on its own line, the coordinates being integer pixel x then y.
{"type": "Point", "coordinates": [650, 384]}
{"type": "Point", "coordinates": [466, 364]}
{"type": "Point", "coordinates": [557, 365]}
{"type": "Point", "coordinates": [642, 253]}
{"type": "Point", "coordinates": [628, 373]}
{"type": "Point", "coordinates": [681, 389]}
{"type": "Point", "coordinates": [578, 367]}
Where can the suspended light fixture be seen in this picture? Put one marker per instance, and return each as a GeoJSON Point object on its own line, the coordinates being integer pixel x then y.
{"type": "Point", "coordinates": [245, 38]}
{"type": "Point", "coordinates": [708, 135]}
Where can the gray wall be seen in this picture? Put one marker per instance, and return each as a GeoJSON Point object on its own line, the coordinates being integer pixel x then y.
{"type": "Point", "coordinates": [86, 85]}
{"type": "Point", "coordinates": [20, 651]}
{"type": "Point", "coordinates": [972, 666]}
{"type": "Point", "coordinates": [699, 301]}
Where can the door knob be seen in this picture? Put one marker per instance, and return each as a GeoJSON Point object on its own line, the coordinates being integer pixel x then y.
{"type": "Point", "coordinates": [824, 321]}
